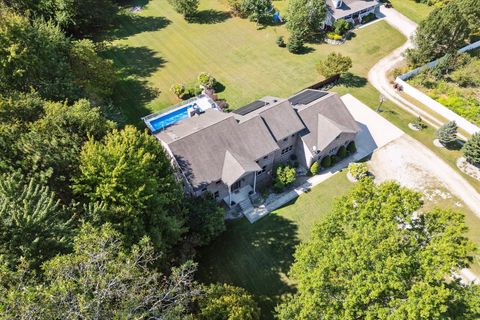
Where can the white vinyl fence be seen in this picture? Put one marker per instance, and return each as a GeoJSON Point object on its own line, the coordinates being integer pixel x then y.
{"type": "Point", "coordinates": [431, 103]}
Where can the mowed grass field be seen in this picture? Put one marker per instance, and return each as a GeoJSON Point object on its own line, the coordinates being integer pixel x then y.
{"type": "Point", "coordinates": [414, 10]}
{"type": "Point", "coordinates": [258, 256]}
{"type": "Point", "coordinates": [157, 48]}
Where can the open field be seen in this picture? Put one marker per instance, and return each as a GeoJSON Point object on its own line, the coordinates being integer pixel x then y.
{"type": "Point", "coordinates": [411, 9]}
{"type": "Point", "coordinates": [158, 48]}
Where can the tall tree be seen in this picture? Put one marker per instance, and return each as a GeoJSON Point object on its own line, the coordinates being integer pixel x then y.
{"type": "Point", "coordinates": [379, 256]}
{"type": "Point", "coordinates": [444, 31]}
{"type": "Point", "coordinates": [33, 225]}
{"type": "Point", "coordinates": [131, 173]}
{"type": "Point", "coordinates": [94, 75]}
{"type": "Point", "coordinates": [256, 10]}
{"type": "Point", "coordinates": [34, 55]}
{"type": "Point", "coordinates": [305, 17]}
{"type": "Point", "coordinates": [99, 280]}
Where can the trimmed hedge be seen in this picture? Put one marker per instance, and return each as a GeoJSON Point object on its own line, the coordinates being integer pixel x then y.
{"type": "Point", "coordinates": [326, 162]}
{"type": "Point", "coordinates": [342, 152]}
{"type": "Point", "coordinates": [352, 148]}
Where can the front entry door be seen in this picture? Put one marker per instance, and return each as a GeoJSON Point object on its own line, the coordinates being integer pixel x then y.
{"type": "Point", "coordinates": [236, 185]}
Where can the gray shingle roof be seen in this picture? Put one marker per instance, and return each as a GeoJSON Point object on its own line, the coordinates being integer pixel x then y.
{"type": "Point", "coordinates": [224, 146]}
{"type": "Point", "coordinates": [202, 155]}
{"type": "Point", "coordinates": [348, 7]}
{"type": "Point", "coordinates": [325, 119]}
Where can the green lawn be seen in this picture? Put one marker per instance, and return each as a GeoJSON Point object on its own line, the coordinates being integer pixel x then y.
{"type": "Point", "coordinates": [258, 256]}
{"type": "Point", "coordinates": [157, 48]}
{"type": "Point", "coordinates": [413, 10]}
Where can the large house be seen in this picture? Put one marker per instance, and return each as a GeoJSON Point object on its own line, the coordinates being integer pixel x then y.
{"type": "Point", "coordinates": [350, 10]}
{"type": "Point", "coordinates": [222, 153]}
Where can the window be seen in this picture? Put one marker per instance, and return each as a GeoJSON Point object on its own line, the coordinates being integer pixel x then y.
{"type": "Point", "coordinates": [218, 182]}
{"type": "Point", "coordinates": [285, 139]}
{"type": "Point", "coordinates": [266, 157]}
{"type": "Point", "coordinates": [236, 185]}
{"type": "Point", "coordinates": [264, 168]}
{"type": "Point", "coordinates": [216, 194]}
{"type": "Point", "coordinates": [204, 189]}
{"type": "Point", "coordinates": [287, 150]}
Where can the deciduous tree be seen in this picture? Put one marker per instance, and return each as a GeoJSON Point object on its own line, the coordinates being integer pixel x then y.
{"type": "Point", "coordinates": [444, 31]}
{"type": "Point", "coordinates": [130, 172]}
{"type": "Point", "coordinates": [100, 280]}
{"type": "Point", "coordinates": [305, 17]}
{"type": "Point", "coordinates": [379, 256]}
{"type": "Point", "coordinates": [226, 302]}
{"type": "Point", "coordinates": [334, 64]}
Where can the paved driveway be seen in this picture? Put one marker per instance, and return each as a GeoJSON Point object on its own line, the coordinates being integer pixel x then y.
{"type": "Point", "coordinates": [375, 132]}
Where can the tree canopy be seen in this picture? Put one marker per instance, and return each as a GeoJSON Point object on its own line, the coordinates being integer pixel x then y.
{"type": "Point", "coordinates": [305, 17]}
{"type": "Point", "coordinates": [471, 149]}
{"type": "Point", "coordinates": [99, 280]}
{"type": "Point", "coordinates": [226, 302]}
{"type": "Point", "coordinates": [334, 64]}
{"type": "Point", "coordinates": [444, 31]}
{"type": "Point", "coordinates": [33, 224]}
{"type": "Point", "coordinates": [129, 171]}
{"type": "Point", "coordinates": [378, 255]}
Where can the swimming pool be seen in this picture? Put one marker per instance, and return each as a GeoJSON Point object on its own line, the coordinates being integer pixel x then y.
{"type": "Point", "coordinates": [168, 119]}
{"type": "Point", "coordinates": [159, 121]}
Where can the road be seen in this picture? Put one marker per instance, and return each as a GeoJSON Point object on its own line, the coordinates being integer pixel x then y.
{"type": "Point", "coordinates": [378, 75]}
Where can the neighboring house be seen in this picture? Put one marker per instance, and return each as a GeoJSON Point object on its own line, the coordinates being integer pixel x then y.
{"type": "Point", "coordinates": [350, 10]}
{"type": "Point", "coordinates": [223, 153]}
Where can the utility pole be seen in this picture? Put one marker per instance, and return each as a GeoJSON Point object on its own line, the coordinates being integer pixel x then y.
{"type": "Point", "coordinates": [381, 100]}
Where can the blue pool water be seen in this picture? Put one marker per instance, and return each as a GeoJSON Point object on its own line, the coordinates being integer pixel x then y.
{"type": "Point", "coordinates": [168, 119]}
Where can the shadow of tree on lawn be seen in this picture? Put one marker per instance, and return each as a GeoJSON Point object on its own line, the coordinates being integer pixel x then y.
{"type": "Point", "coordinates": [134, 61]}
{"type": "Point", "coordinates": [253, 256]}
{"type": "Point", "coordinates": [350, 80]}
{"type": "Point", "coordinates": [129, 24]}
{"type": "Point", "coordinates": [209, 16]}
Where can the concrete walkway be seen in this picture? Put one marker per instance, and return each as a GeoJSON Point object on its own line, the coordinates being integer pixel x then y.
{"type": "Point", "coordinates": [375, 133]}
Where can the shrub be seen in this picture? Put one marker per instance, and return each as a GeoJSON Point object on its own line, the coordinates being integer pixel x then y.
{"type": "Point", "coordinates": [334, 64]}
{"type": "Point", "coordinates": [206, 80]}
{"type": "Point", "coordinates": [471, 149]}
{"type": "Point", "coordinates": [419, 124]}
{"type": "Point", "coordinates": [334, 36]}
{"type": "Point", "coordinates": [342, 152]}
{"type": "Point", "coordinates": [447, 134]}
{"type": "Point", "coordinates": [178, 89]}
{"type": "Point", "coordinates": [285, 174]}
{"type": "Point", "coordinates": [281, 42]}
{"type": "Point", "coordinates": [314, 168]}
{"type": "Point", "coordinates": [295, 43]}
{"type": "Point", "coordinates": [352, 148]}
{"type": "Point", "coordinates": [369, 17]}
{"type": "Point", "coordinates": [326, 162]}
{"type": "Point", "coordinates": [341, 26]}
{"type": "Point", "coordinates": [358, 170]}
{"type": "Point", "coordinates": [278, 187]}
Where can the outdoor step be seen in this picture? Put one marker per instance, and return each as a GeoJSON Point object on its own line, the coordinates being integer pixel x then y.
{"type": "Point", "coordinates": [246, 205]}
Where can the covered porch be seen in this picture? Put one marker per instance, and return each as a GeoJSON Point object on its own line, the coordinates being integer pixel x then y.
{"type": "Point", "coordinates": [241, 189]}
